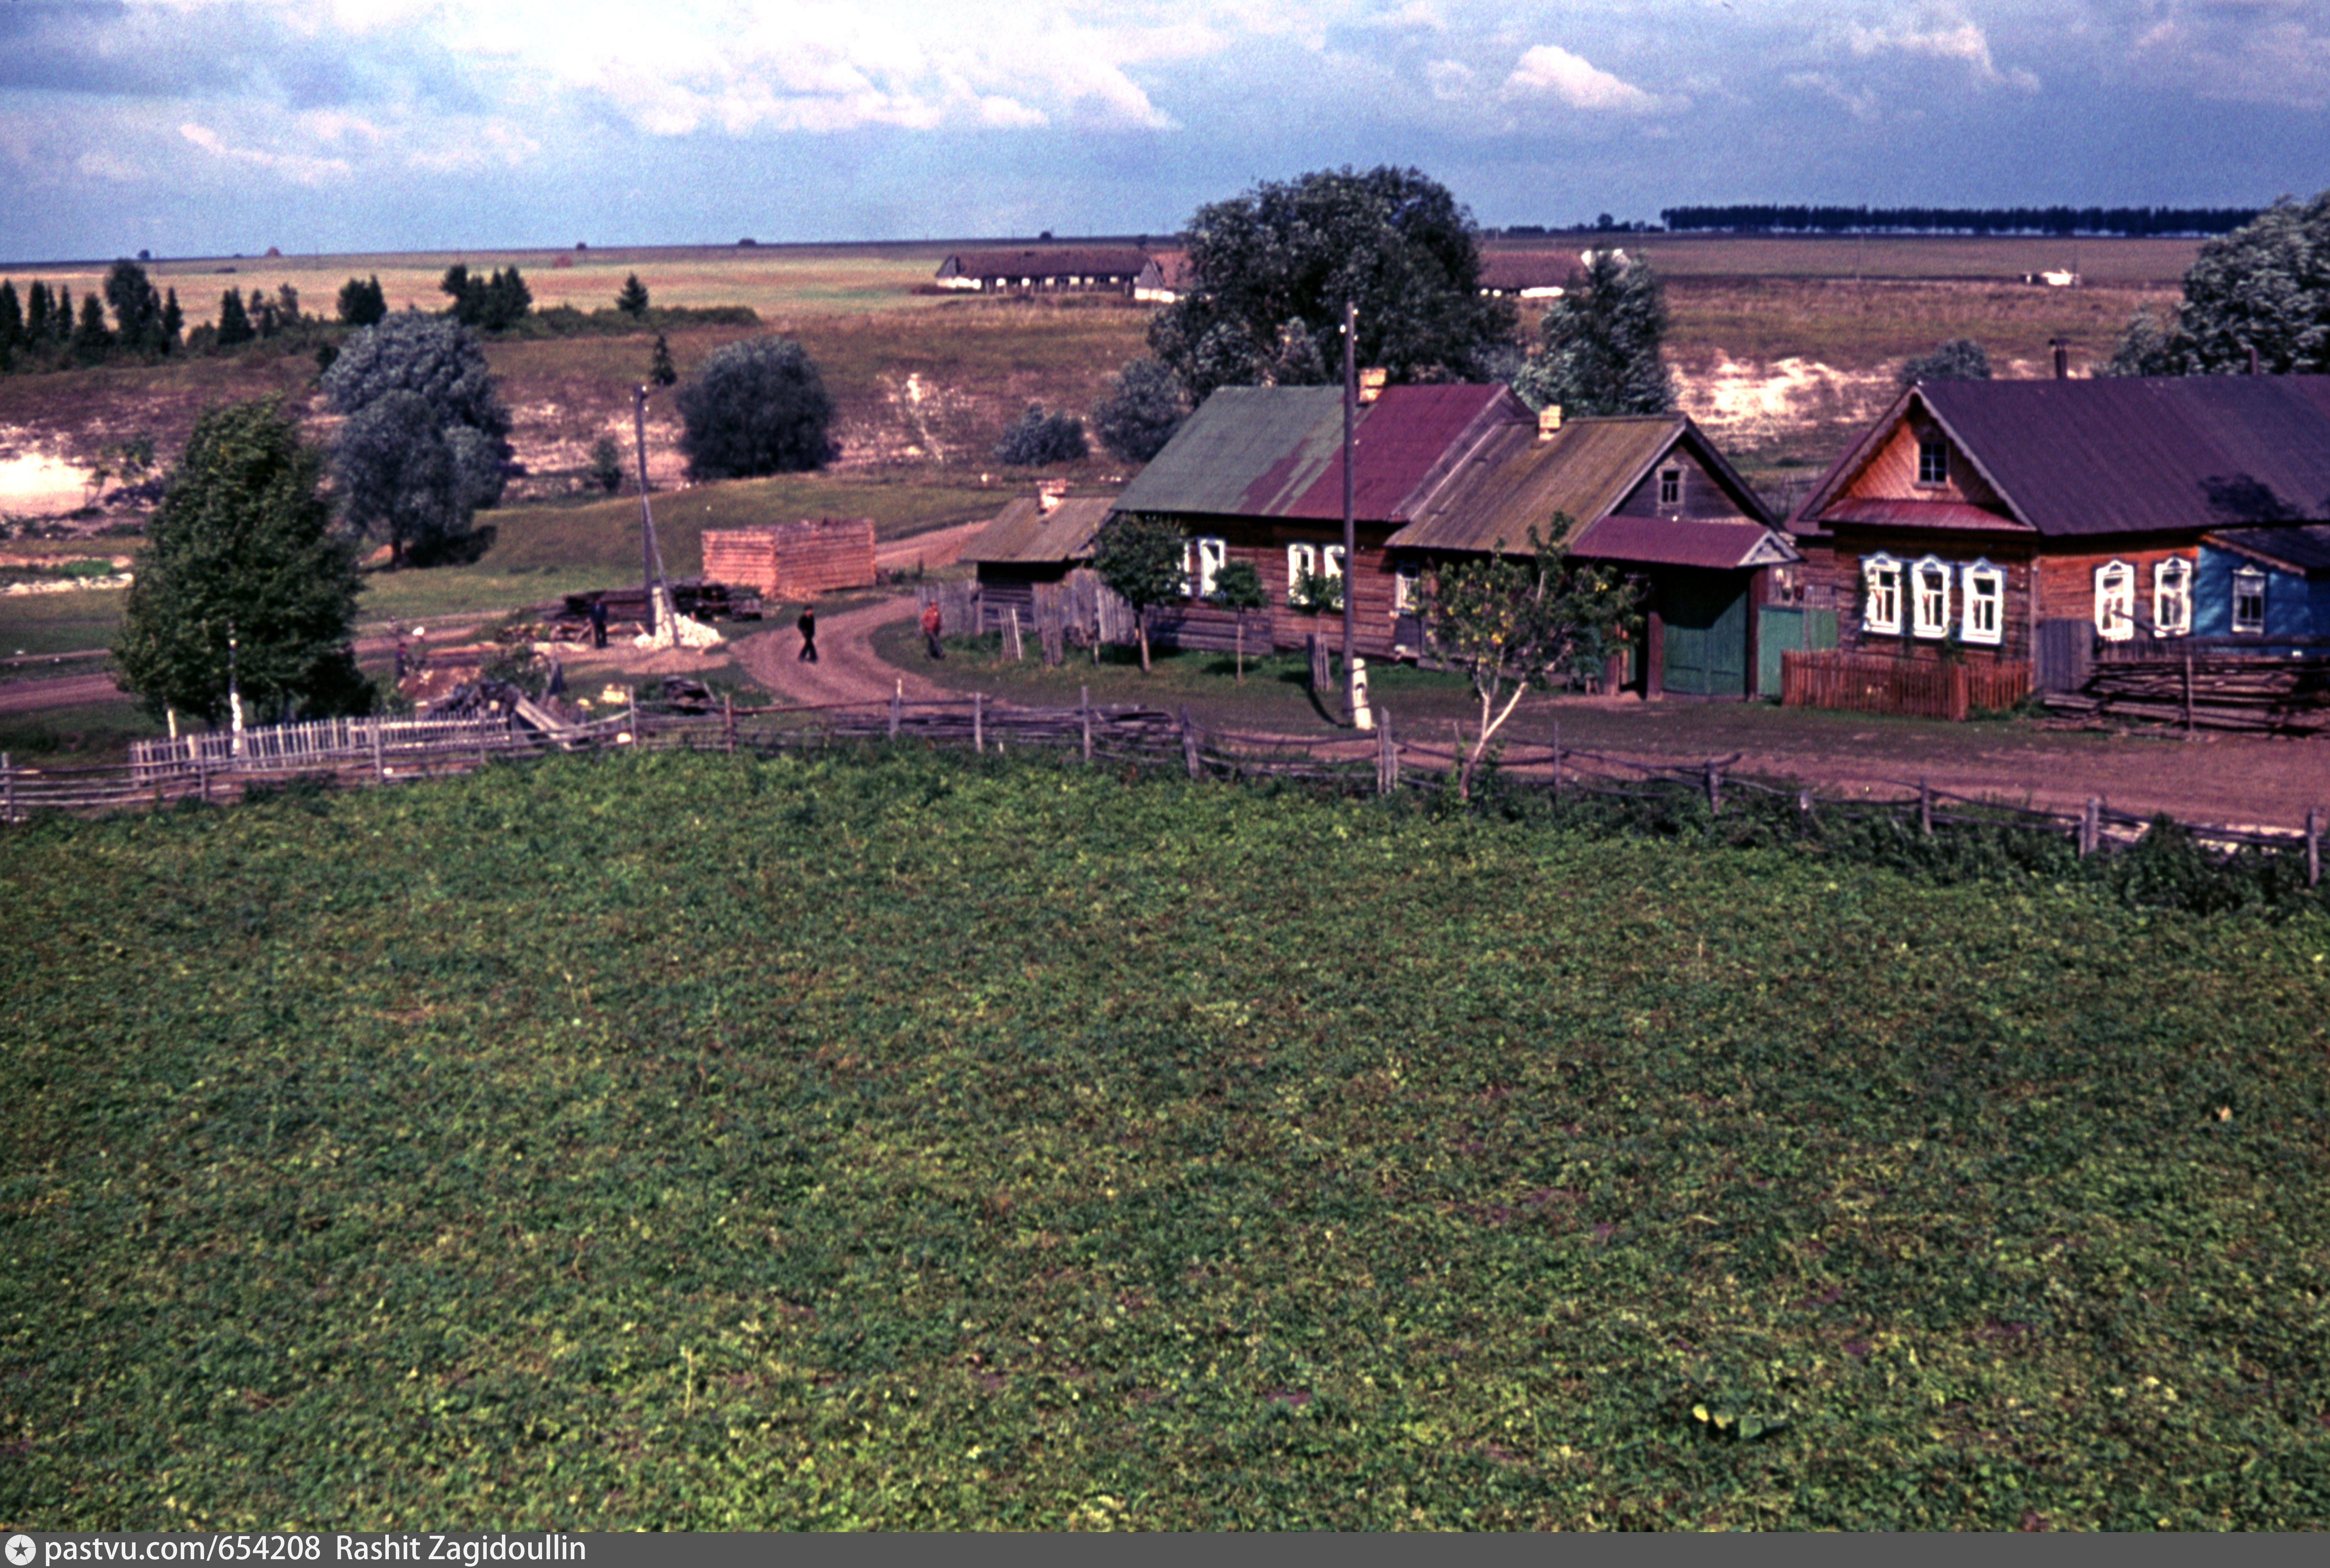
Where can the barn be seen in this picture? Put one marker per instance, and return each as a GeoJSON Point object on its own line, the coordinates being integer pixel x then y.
{"type": "Point", "coordinates": [1035, 538]}
{"type": "Point", "coordinates": [1048, 269]}
{"type": "Point", "coordinates": [793, 560]}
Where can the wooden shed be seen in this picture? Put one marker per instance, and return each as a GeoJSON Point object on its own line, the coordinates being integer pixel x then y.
{"type": "Point", "coordinates": [1036, 539]}
{"type": "Point", "coordinates": [793, 560]}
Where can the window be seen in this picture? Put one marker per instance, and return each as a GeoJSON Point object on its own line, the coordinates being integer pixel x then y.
{"type": "Point", "coordinates": [1985, 600]}
{"type": "Point", "coordinates": [1206, 559]}
{"type": "Point", "coordinates": [2249, 600]}
{"type": "Point", "coordinates": [1881, 610]}
{"type": "Point", "coordinates": [1929, 600]}
{"type": "Point", "coordinates": [2172, 598]}
{"type": "Point", "coordinates": [1406, 592]}
{"type": "Point", "coordinates": [1302, 561]}
{"type": "Point", "coordinates": [1333, 568]}
{"type": "Point", "coordinates": [2116, 601]}
{"type": "Point", "coordinates": [1670, 487]}
{"type": "Point", "coordinates": [1933, 463]}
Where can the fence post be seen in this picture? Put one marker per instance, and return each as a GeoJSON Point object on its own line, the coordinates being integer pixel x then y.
{"type": "Point", "coordinates": [482, 737]}
{"type": "Point", "coordinates": [2188, 694]}
{"type": "Point", "coordinates": [898, 700]}
{"type": "Point", "coordinates": [1084, 712]}
{"type": "Point", "coordinates": [1804, 811]}
{"type": "Point", "coordinates": [728, 722]}
{"type": "Point", "coordinates": [632, 717]}
{"type": "Point", "coordinates": [1714, 788]}
{"type": "Point", "coordinates": [1925, 807]}
{"type": "Point", "coordinates": [379, 763]}
{"type": "Point", "coordinates": [1189, 743]}
{"type": "Point", "coordinates": [2313, 847]}
{"type": "Point", "coordinates": [2090, 826]}
{"type": "Point", "coordinates": [1557, 759]}
{"type": "Point", "coordinates": [979, 721]}
{"type": "Point", "coordinates": [7, 787]}
{"type": "Point", "coordinates": [1387, 754]}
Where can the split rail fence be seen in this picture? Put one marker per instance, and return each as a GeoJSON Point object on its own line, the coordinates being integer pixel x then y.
{"type": "Point", "coordinates": [216, 767]}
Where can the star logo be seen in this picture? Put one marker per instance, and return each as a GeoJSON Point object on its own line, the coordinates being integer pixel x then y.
{"type": "Point", "coordinates": [20, 1550]}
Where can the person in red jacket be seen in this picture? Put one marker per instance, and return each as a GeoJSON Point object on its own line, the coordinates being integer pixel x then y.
{"type": "Point", "coordinates": [931, 630]}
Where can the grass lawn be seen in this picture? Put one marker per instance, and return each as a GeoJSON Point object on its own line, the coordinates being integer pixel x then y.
{"type": "Point", "coordinates": [84, 735]}
{"type": "Point", "coordinates": [912, 1142]}
{"type": "Point", "coordinates": [53, 623]}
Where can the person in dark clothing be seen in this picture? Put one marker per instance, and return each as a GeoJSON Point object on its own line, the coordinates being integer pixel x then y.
{"type": "Point", "coordinates": [808, 626]}
{"type": "Point", "coordinates": [931, 630]}
{"type": "Point", "coordinates": [598, 623]}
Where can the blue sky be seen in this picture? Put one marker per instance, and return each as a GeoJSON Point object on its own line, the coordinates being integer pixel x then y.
{"type": "Point", "coordinates": [207, 126]}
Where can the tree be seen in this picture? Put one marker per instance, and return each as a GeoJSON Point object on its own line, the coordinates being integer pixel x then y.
{"type": "Point", "coordinates": [607, 464]}
{"type": "Point", "coordinates": [242, 578]}
{"type": "Point", "coordinates": [361, 302]}
{"type": "Point", "coordinates": [137, 311]}
{"type": "Point", "coordinates": [36, 314]}
{"type": "Point", "coordinates": [1599, 344]}
{"type": "Point", "coordinates": [1237, 588]}
{"type": "Point", "coordinates": [91, 338]}
{"type": "Point", "coordinates": [11, 320]}
{"type": "Point", "coordinates": [660, 370]}
{"type": "Point", "coordinates": [632, 301]}
{"type": "Point", "coordinates": [2262, 290]}
{"type": "Point", "coordinates": [423, 446]}
{"type": "Point", "coordinates": [1145, 559]}
{"type": "Point", "coordinates": [488, 304]}
{"type": "Point", "coordinates": [60, 315]}
{"type": "Point", "coordinates": [1270, 272]}
{"type": "Point", "coordinates": [1960, 359]}
{"type": "Point", "coordinates": [174, 321]}
{"type": "Point", "coordinates": [1516, 623]}
{"type": "Point", "coordinates": [234, 322]}
{"type": "Point", "coordinates": [1142, 411]}
{"type": "Point", "coordinates": [758, 406]}
{"type": "Point", "coordinates": [1040, 437]}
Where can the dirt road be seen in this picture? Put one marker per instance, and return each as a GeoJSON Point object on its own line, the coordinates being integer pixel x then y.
{"type": "Point", "coordinates": [847, 669]}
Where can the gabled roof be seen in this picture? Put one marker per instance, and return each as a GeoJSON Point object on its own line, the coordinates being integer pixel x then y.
{"type": "Point", "coordinates": [2300, 549]}
{"type": "Point", "coordinates": [1024, 533]}
{"type": "Point", "coordinates": [2124, 455]}
{"type": "Point", "coordinates": [1514, 270]}
{"type": "Point", "coordinates": [1049, 261]}
{"type": "Point", "coordinates": [1277, 452]}
{"type": "Point", "coordinates": [1586, 468]}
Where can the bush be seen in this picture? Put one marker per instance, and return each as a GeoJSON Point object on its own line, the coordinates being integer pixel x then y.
{"type": "Point", "coordinates": [756, 407]}
{"type": "Point", "coordinates": [1040, 437]}
{"type": "Point", "coordinates": [1960, 359]}
{"type": "Point", "coordinates": [1140, 416]}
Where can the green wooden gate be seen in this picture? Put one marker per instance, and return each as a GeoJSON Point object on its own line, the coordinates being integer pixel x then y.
{"type": "Point", "coordinates": [1706, 637]}
{"type": "Point", "coordinates": [1779, 628]}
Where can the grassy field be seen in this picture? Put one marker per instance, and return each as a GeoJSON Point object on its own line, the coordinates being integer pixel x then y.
{"type": "Point", "coordinates": [717, 1143]}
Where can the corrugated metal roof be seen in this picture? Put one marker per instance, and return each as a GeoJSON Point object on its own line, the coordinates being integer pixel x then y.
{"type": "Point", "coordinates": [1049, 261]}
{"type": "Point", "coordinates": [2301, 549]}
{"type": "Point", "coordinates": [1247, 451]}
{"type": "Point", "coordinates": [1680, 542]}
{"type": "Point", "coordinates": [1024, 533]}
{"type": "Point", "coordinates": [2128, 454]}
{"type": "Point", "coordinates": [1883, 512]}
{"type": "Point", "coordinates": [1404, 440]}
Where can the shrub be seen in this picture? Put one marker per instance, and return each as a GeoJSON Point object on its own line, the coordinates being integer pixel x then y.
{"type": "Point", "coordinates": [756, 407]}
{"type": "Point", "coordinates": [1040, 437]}
{"type": "Point", "coordinates": [1136, 420]}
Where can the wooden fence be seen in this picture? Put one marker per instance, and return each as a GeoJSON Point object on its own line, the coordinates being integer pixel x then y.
{"type": "Point", "coordinates": [367, 751]}
{"type": "Point", "coordinates": [1879, 684]}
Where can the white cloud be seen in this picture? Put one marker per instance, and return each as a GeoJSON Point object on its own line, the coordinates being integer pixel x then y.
{"type": "Point", "coordinates": [1937, 33]}
{"type": "Point", "coordinates": [1451, 79]}
{"type": "Point", "coordinates": [1550, 71]}
{"type": "Point", "coordinates": [300, 168]}
{"type": "Point", "coordinates": [1860, 104]}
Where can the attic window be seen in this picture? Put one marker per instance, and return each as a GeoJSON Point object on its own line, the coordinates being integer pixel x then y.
{"type": "Point", "coordinates": [1930, 605]}
{"type": "Point", "coordinates": [2248, 601]}
{"type": "Point", "coordinates": [1880, 609]}
{"type": "Point", "coordinates": [2172, 598]}
{"type": "Point", "coordinates": [2116, 601]}
{"type": "Point", "coordinates": [1670, 487]}
{"type": "Point", "coordinates": [1933, 462]}
{"type": "Point", "coordinates": [1986, 596]}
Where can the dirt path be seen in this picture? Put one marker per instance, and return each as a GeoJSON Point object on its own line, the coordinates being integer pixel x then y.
{"type": "Point", "coordinates": [939, 547]}
{"type": "Point", "coordinates": [847, 669]}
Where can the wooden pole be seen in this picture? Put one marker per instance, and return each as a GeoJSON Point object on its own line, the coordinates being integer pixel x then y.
{"type": "Point", "coordinates": [898, 700]}
{"type": "Point", "coordinates": [1386, 754]}
{"type": "Point", "coordinates": [979, 721]}
{"type": "Point", "coordinates": [1084, 712]}
{"type": "Point", "coordinates": [2188, 694]}
{"type": "Point", "coordinates": [379, 761]}
{"type": "Point", "coordinates": [1925, 807]}
{"type": "Point", "coordinates": [1714, 786]}
{"type": "Point", "coordinates": [1351, 525]}
{"type": "Point", "coordinates": [1557, 759]}
{"type": "Point", "coordinates": [481, 739]}
{"type": "Point", "coordinates": [2313, 847]}
{"type": "Point", "coordinates": [728, 722]}
{"type": "Point", "coordinates": [1189, 744]}
{"type": "Point", "coordinates": [647, 518]}
{"type": "Point", "coordinates": [7, 788]}
{"type": "Point", "coordinates": [2090, 826]}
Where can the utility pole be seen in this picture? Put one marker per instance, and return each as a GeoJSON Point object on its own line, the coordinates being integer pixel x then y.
{"type": "Point", "coordinates": [648, 551]}
{"type": "Point", "coordinates": [1350, 523]}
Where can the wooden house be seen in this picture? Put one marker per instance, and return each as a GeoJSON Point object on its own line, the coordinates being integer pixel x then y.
{"type": "Point", "coordinates": [793, 560]}
{"type": "Point", "coordinates": [1163, 279]}
{"type": "Point", "coordinates": [1035, 538]}
{"type": "Point", "coordinates": [2021, 524]}
{"type": "Point", "coordinates": [1048, 269]}
{"type": "Point", "coordinates": [1649, 493]}
{"type": "Point", "coordinates": [1256, 474]}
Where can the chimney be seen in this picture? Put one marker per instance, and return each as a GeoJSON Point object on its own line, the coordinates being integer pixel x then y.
{"type": "Point", "coordinates": [1049, 494]}
{"type": "Point", "coordinates": [1548, 420]}
{"type": "Point", "coordinates": [1371, 386]}
{"type": "Point", "coordinates": [2062, 347]}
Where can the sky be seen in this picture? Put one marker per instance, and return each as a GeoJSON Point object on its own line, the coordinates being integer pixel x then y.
{"type": "Point", "coordinates": [193, 127]}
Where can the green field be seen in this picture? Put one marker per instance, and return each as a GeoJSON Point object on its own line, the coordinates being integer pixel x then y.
{"type": "Point", "coordinates": [917, 1143]}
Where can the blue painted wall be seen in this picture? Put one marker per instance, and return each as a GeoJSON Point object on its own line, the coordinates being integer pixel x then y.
{"type": "Point", "coordinates": [2294, 607]}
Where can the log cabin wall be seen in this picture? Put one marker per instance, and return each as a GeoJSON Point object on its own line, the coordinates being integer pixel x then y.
{"type": "Point", "coordinates": [1264, 541]}
{"type": "Point", "coordinates": [1834, 582]}
{"type": "Point", "coordinates": [2066, 583]}
{"type": "Point", "coordinates": [1891, 473]}
{"type": "Point", "coordinates": [1699, 498]}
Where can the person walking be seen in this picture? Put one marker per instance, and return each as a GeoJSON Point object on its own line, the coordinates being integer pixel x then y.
{"type": "Point", "coordinates": [807, 625]}
{"type": "Point", "coordinates": [931, 630]}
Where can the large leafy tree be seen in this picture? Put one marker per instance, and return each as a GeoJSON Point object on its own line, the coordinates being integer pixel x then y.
{"type": "Point", "coordinates": [1519, 623]}
{"type": "Point", "coordinates": [243, 575]}
{"type": "Point", "coordinates": [2262, 290]}
{"type": "Point", "coordinates": [422, 448]}
{"type": "Point", "coordinates": [1145, 560]}
{"type": "Point", "coordinates": [1142, 411]}
{"type": "Point", "coordinates": [1598, 345]}
{"type": "Point", "coordinates": [1270, 272]}
{"type": "Point", "coordinates": [758, 406]}
{"type": "Point", "coordinates": [138, 316]}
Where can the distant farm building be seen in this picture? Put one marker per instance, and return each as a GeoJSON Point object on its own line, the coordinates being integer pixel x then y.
{"type": "Point", "coordinates": [1163, 281]}
{"type": "Point", "coordinates": [793, 560]}
{"type": "Point", "coordinates": [1051, 270]}
{"type": "Point", "coordinates": [1524, 274]}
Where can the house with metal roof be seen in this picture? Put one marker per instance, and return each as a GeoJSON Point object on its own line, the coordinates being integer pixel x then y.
{"type": "Point", "coordinates": [2026, 523]}
{"type": "Point", "coordinates": [1046, 269]}
{"type": "Point", "coordinates": [1651, 494]}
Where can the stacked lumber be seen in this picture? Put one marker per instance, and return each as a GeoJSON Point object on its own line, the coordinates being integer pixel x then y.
{"type": "Point", "coordinates": [2218, 691]}
{"type": "Point", "coordinates": [793, 560]}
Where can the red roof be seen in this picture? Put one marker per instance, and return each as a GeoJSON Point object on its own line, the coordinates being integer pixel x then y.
{"type": "Point", "coordinates": [1720, 545]}
{"type": "Point", "coordinates": [1408, 436]}
{"type": "Point", "coordinates": [1883, 512]}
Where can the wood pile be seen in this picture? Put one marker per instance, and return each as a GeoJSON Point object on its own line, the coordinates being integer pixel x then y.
{"type": "Point", "coordinates": [2214, 691]}
{"type": "Point", "coordinates": [793, 560]}
{"type": "Point", "coordinates": [699, 599]}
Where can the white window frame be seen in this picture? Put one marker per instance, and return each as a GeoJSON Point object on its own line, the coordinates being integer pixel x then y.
{"type": "Point", "coordinates": [1984, 617]}
{"type": "Point", "coordinates": [1407, 590]}
{"type": "Point", "coordinates": [2172, 597]}
{"type": "Point", "coordinates": [1930, 598]}
{"type": "Point", "coordinates": [1300, 559]}
{"type": "Point", "coordinates": [1330, 563]}
{"type": "Point", "coordinates": [1208, 556]}
{"type": "Point", "coordinates": [1881, 604]}
{"type": "Point", "coordinates": [2249, 577]}
{"type": "Point", "coordinates": [2116, 601]}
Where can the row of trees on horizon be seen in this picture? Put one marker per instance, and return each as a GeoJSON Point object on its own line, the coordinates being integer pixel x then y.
{"type": "Point", "coordinates": [2129, 223]}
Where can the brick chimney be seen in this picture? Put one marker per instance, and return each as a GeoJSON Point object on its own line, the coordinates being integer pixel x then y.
{"type": "Point", "coordinates": [1548, 420]}
{"type": "Point", "coordinates": [2062, 347]}
{"type": "Point", "coordinates": [1371, 386]}
{"type": "Point", "coordinates": [1049, 494]}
